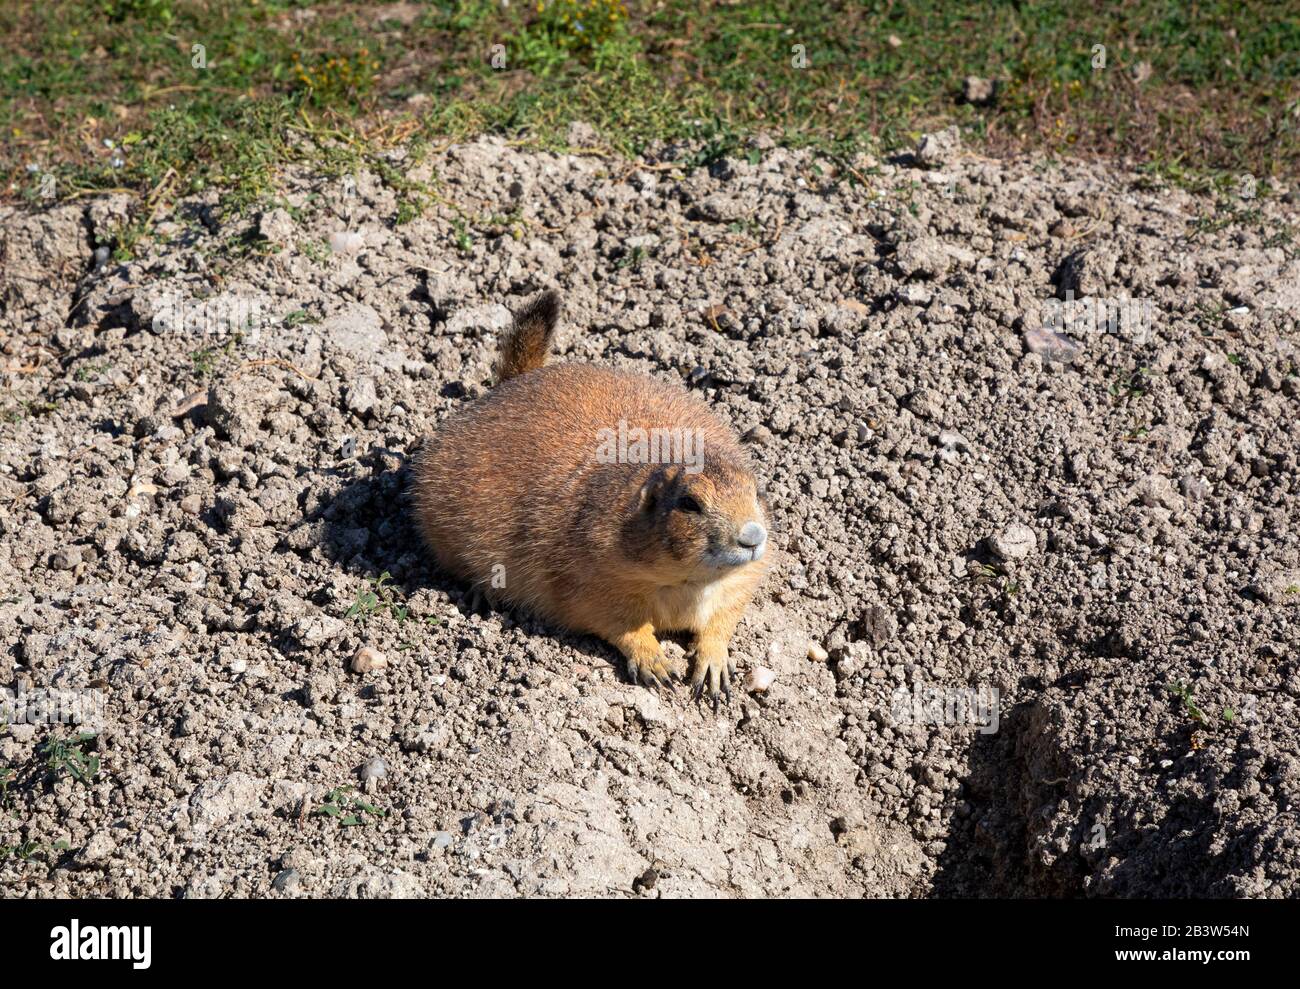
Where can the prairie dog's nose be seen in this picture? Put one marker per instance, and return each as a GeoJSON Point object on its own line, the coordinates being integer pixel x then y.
{"type": "Point", "coordinates": [752, 534]}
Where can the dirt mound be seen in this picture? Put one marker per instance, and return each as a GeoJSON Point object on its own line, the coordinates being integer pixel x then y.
{"type": "Point", "coordinates": [1028, 430]}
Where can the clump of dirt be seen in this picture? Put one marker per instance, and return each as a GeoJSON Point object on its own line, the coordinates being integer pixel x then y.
{"type": "Point", "coordinates": [1028, 432]}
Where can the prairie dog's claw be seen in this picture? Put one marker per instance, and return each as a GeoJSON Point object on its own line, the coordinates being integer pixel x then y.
{"type": "Point", "coordinates": [713, 672]}
{"type": "Point", "coordinates": [653, 671]}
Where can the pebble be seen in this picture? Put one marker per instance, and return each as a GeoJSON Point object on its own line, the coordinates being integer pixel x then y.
{"type": "Point", "coordinates": [939, 147]}
{"type": "Point", "coordinates": [1155, 491]}
{"type": "Point", "coordinates": [276, 226]}
{"type": "Point", "coordinates": [816, 653]}
{"type": "Point", "coordinates": [287, 881]}
{"type": "Point", "coordinates": [97, 849]}
{"type": "Point", "coordinates": [375, 769]}
{"type": "Point", "coordinates": [1050, 345]}
{"type": "Point", "coordinates": [645, 881]}
{"type": "Point", "coordinates": [877, 625]}
{"type": "Point", "coordinates": [346, 241]}
{"type": "Point", "coordinates": [978, 91]}
{"type": "Point", "coordinates": [66, 558]}
{"type": "Point", "coordinates": [362, 396]}
{"type": "Point", "coordinates": [952, 438]}
{"type": "Point", "coordinates": [366, 659]}
{"type": "Point", "coordinates": [1015, 542]}
{"type": "Point", "coordinates": [759, 679]}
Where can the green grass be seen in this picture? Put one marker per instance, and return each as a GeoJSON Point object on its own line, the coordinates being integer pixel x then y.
{"type": "Point", "coordinates": [68, 757]}
{"type": "Point", "coordinates": [279, 80]}
{"type": "Point", "coordinates": [377, 598]}
{"type": "Point", "coordinates": [348, 810]}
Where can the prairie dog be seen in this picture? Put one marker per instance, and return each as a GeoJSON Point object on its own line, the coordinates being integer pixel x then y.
{"type": "Point", "coordinates": [542, 496]}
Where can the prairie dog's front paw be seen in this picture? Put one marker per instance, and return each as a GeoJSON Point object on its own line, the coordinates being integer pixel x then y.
{"type": "Point", "coordinates": [653, 671]}
{"type": "Point", "coordinates": [713, 672]}
{"type": "Point", "coordinates": [646, 661]}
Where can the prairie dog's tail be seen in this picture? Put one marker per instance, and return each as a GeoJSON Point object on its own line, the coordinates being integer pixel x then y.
{"type": "Point", "coordinates": [529, 341]}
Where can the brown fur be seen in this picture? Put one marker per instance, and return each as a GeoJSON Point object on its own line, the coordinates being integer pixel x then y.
{"type": "Point", "coordinates": [512, 488]}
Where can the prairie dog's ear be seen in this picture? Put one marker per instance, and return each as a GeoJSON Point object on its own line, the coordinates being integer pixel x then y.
{"type": "Point", "coordinates": [528, 342]}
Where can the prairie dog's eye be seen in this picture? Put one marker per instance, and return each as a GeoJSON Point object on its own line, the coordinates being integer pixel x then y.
{"type": "Point", "coordinates": [688, 504]}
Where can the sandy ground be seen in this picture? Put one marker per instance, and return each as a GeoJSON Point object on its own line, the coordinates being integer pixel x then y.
{"type": "Point", "coordinates": [1055, 575]}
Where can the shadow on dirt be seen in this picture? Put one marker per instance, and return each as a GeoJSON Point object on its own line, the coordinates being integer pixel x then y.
{"type": "Point", "coordinates": [985, 851]}
{"type": "Point", "coordinates": [368, 530]}
{"type": "Point", "coordinates": [1038, 825]}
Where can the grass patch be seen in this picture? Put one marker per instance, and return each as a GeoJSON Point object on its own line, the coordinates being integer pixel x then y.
{"type": "Point", "coordinates": [185, 94]}
{"type": "Point", "coordinates": [69, 757]}
{"type": "Point", "coordinates": [376, 598]}
{"type": "Point", "coordinates": [350, 811]}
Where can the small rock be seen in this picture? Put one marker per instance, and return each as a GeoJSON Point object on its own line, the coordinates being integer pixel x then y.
{"type": "Point", "coordinates": [100, 847]}
{"type": "Point", "coordinates": [1279, 587]}
{"type": "Point", "coordinates": [346, 241]}
{"type": "Point", "coordinates": [816, 653]}
{"type": "Point", "coordinates": [1015, 542]}
{"type": "Point", "coordinates": [1050, 345]}
{"type": "Point", "coordinates": [66, 558]}
{"type": "Point", "coordinates": [316, 630]}
{"type": "Point", "coordinates": [275, 225]}
{"type": "Point", "coordinates": [365, 659]}
{"type": "Point", "coordinates": [759, 679]}
{"type": "Point", "coordinates": [426, 739]}
{"type": "Point", "coordinates": [287, 881]}
{"type": "Point", "coordinates": [725, 207]}
{"type": "Point", "coordinates": [190, 402]}
{"type": "Point", "coordinates": [952, 438]}
{"type": "Point", "coordinates": [877, 625]}
{"type": "Point", "coordinates": [375, 769]}
{"type": "Point", "coordinates": [362, 395]}
{"type": "Point", "coordinates": [581, 134]}
{"type": "Point", "coordinates": [978, 91]}
{"type": "Point", "coordinates": [1157, 491]}
{"type": "Point", "coordinates": [923, 258]}
{"type": "Point", "coordinates": [936, 149]}
{"type": "Point", "coordinates": [1195, 489]}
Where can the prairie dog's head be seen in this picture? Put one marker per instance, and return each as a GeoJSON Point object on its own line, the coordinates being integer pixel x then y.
{"type": "Point", "coordinates": [697, 525]}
